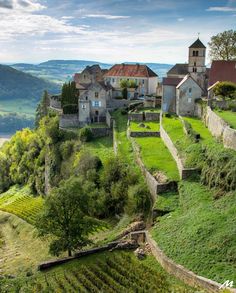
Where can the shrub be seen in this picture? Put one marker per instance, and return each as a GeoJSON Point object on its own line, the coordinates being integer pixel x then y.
{"type": "Point", "coordinates": [225, 89]}
{"type": "Point", "coordinates": [85, 134]}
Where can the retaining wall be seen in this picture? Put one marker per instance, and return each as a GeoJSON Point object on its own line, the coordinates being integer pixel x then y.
{"type": "Point", "coordinates": [138, 117]}
{"type": "Point", "coordinates": [154, 186]}
{"type": "Point", "coordinates": [187, 276]}
{"type": "Point", "coordinates": [69, 120]}
{"type": "Point", "coordinates": [149, 116]}
{"type": "Point", "coordinates": [144, 133]}
{"type": "Point", "coordinates": [220, 129]}
{"type": "Point", "coordinates": [109, 119]}
{"type": "Point", "coordinates": [101, 132]}
{"type": "Point", "coordinates": [183, 172]}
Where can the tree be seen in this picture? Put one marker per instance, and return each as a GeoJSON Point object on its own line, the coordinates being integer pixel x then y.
{"type": "Point", "coordinates": [65, 218]}
{"type": "Point", "coordinates": [42, 108]}
{"type": "Point", "coordinates": [69, 94]}
{"type": "Point", "coordinates": [223, 46]}
{"type": "Point", "coordinates": [225, 89]}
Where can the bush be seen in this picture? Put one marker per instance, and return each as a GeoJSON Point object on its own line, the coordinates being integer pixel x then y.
{"type": "Point", "coordinates": [225, 89]}
{"type": "Point", "coordinates": [124, 112]}
{"type": "Point", "coordinates": [85, 134]}
{"type": "Point", "coordinates": [70, 109]}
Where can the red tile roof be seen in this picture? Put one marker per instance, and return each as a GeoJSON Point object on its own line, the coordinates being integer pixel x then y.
{"type": "Point", "coordinates": [222, 71]}
{"type": "Point", "coordinates": [130, 70]}
{"type": "Point", "coordinates": [174, 81]}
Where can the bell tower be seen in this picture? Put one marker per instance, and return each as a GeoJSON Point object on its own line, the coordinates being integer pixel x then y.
{"type": "Point", "coordinates": [196, 58]}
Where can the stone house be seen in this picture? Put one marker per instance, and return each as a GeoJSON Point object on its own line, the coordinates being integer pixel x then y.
{"type": "Point", "coordinates": [187, 92]}
{"type": "Point", "coordinates": [145, 79]}
{"type": "Point", "coordinates": [193, 73]}
{"type": "Point", "coordinates": [89, 75]}
{"type": "Point", "coordinates": [93, 102]}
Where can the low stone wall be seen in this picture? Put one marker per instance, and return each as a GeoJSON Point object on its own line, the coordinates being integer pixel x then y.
{"type": "Point", "coordinates": [183, 172]}
{"type": "Point", "coordinates": [109, 119]}
{"type": "Point", "coordinates": [69, 120]}
{"type": "Point", "coordinates": [144, 133]}
{"type": "Point", "coordinates": [101, 132]}
{"type": "Point", "coordinates": [138, 117]}
{"type": "Point", "coordinates": [220, 129]}
{"type": "Point", "coordinates": [198, 110]}
{"type": "Point", "coordinates": [154, 186]}
{"type": "Point", "coordinates": [187, 276]}
{"type": "Point", "coordinates": [115, 143]}
{"type": "Point", "coordinates": [149, 116]}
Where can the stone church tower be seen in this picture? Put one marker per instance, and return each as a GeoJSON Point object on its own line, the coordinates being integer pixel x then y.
{"type": "Point", "coordinates": [196, 63]}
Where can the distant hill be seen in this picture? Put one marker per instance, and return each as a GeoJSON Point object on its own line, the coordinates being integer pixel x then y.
{"type": "Point", "coordinates": [63, 70]}
{"type": "Point", "coordinates": [15, 84]}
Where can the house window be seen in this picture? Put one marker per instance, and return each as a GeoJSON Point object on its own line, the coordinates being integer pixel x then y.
{"type": "Point", "coordinates": [96, 94]}
{"type": "Point", "coordinates": [96, 113]}
{"type": "Point", "coordinates": [96, 104]}
{"type": "Point", "coordinates": [84, 76]}
{"type": "Point", "coordinates": [194, 63]}
{"type": "Point", "coordinates": [143, 81]}
{"type": "Point", "coordinates": [83, 106]}
{"type": "Point", "coordinates": [196, 53]}
{"type": "Point", "coordinates": [113, 80]}
{"type": "Point", "coordinates": [189, 100]}
{"type": "Point", "coordinates": [190, 90]}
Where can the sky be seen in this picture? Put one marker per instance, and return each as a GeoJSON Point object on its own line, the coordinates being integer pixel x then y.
{"type": "Point", "coordinates": [111, 31]}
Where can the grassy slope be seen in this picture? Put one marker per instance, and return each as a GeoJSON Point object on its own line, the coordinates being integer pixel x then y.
{"type": "Point", "coordinates": [200, 233]}
{"type": "Point", "coordinates": [228, 116]}
{"type": "Point", "coordinates": [156, 156]}
{"type": "Point", "coordinates": [21, 250]}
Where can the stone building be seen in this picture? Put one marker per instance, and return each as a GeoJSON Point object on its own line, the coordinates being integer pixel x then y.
{"type": "Point", "coordinates": [145, 79]}
{"type": "Point", "coordinates": [194, 73]}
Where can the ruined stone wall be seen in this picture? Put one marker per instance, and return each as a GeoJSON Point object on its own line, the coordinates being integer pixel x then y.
{"type": "Point", "coordinates": [144, 133]}
{"type": "Point", "coordinates": [69, 120]}
{"type": "Point", "coordinates": [149, 116]}
{"type": "Point", "coordinates": [101, 132]}
{"type": "Point", "coordinates": [138, 117]}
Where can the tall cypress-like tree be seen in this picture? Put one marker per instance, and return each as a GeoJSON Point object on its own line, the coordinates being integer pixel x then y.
{"type": "Point", "coordinates": [42, 108]}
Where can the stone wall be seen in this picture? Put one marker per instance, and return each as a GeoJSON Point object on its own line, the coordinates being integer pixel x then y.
{"type": "Point", "coordinates": [101, 132]}
{"type": "Point", "coordinates": [55, 102]}
{"type": "Point", "coordinates": [149, 116]}
{"type": "Point", "coordinates": [154, 186]}
{"type": "Point", "coordinates": [138, 117]}
{"type": "Point", "coordinates": [220, 129]}
{"type": "Point", "coordinates": [144, 133]}
{"type": "Point", "coordinates": [188, 277]}
{"type": "Point", "coordinates": [109, 119]}
{"type": "Point", "coordinates": [183, 172]}
{"type": "Point", "coordinates": [115, 142]}
{"type": "Point", "coordinates": [198, 110]}
{"type": "Point", "coordinates": [69, 120]}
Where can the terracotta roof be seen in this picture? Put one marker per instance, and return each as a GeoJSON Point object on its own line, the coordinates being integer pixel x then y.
{"type": "Point", "coordinates": [179, 69]}
{"type": "Point", "coordinates": [174, 81]}
{"type": "Point", "coordinates": [222, 71]}
{"type": "Point", "coordinates": [197, 44]}
{"type": "Point", "coordinates": [131, 70]}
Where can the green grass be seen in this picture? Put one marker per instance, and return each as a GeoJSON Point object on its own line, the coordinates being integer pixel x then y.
{"type": "Point", "coordinates": [167, 201]}
{"type": "Point", "coordinates": [200, 233]}
{"type": "Point", "coordinates": [104, 272]}
{"type": "Point", "coordinates": [228, 116]}
{"type": "Point", "coordinates": [153, 126]}
{"type": "Point", "coordinates": [156, 157]}
{"type": "Point", "coordinates": [101, 147]}
{"type": "Point", "coordinates": [21, 250]}
{"type": "Point", "coordinates": [20, 202]}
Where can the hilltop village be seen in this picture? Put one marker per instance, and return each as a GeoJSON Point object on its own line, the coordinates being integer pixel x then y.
{"type": "Point", "coordinates": [101, 90]}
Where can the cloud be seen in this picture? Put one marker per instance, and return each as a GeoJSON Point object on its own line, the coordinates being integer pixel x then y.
{"type": "Point", "coordinates": [67, 17]}
{"type": "Point", "coordinates": [22, 5]}
{"type": "Point", "coordinates": [6, 4]}
{"type": "Point", "coordinates": [221, 9]}
{"type": "Point", "coordinates": [106, 16]}
{"type": "Point", "coordinates": [180, 19]}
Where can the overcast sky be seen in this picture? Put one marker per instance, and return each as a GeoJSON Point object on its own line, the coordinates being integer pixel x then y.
{"type": "Point", "coordinates": [111, 31]}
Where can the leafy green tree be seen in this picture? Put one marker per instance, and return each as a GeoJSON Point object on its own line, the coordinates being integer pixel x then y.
{"type": "Point", "coordinates": [85, 134]}
{"type": "Point", "coordinates": [4, 172]}
{"type": "Point", "coordinates": [225, 89]}
{"type": "Point", "coordinates": [223, 46]}
{"type": "Point", "coordinates": [42, 108]}
{"type": "Point", "coordinates": [65, 218]}
{"type": "Point", "coordinates": [133, 84]}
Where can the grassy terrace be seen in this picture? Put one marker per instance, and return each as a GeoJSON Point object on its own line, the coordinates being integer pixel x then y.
{"type": "Point", "coordinates": [157, 157]}
{"type": "Point", "coordinates": [102, 147]}
{"type": "Point", "coordinates": [228, 116]}
{"type": "Point", "coordinates": [153, 126]}
{"type": "Point", "coordinates": [198, 233]}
